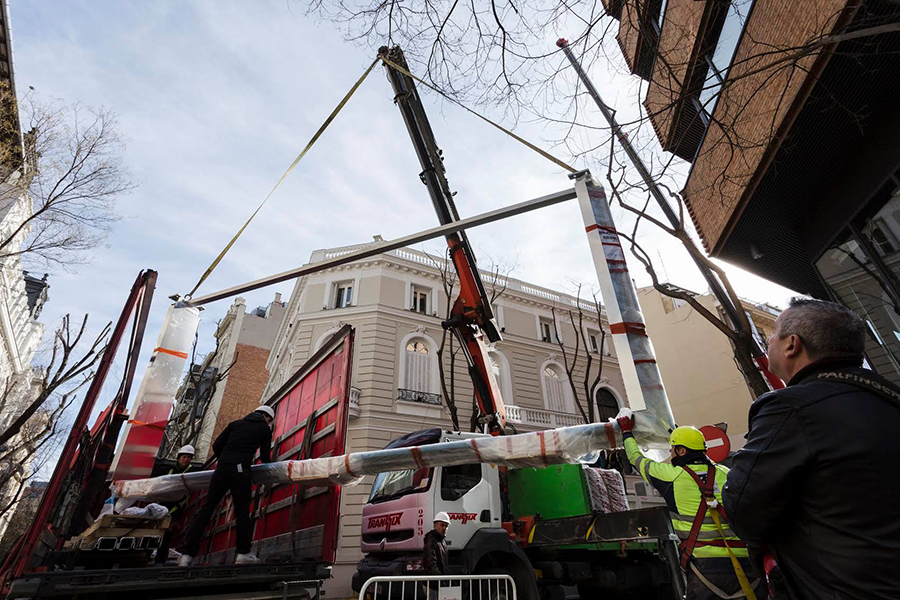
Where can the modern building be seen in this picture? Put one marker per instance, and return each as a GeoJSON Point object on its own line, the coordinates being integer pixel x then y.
{"type": "Point", "coordinates": [396, 302]}
{"type": "Point", "coordinates": [228, 383]}
{"type": "Point", "coordinates": [696, 361]}
{"type": "Point", "coordinates": [787, 112]}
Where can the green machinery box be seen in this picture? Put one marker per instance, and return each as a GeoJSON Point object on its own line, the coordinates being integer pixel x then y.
{"type": "Point", "coordinates": [552, 492]}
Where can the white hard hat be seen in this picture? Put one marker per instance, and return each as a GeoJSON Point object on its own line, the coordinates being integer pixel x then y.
{"type": "Point", "coordinates": [186, 450]}
{"type": "Point", "coordinates": [266, 410]}
{"type": "Point", "coordinates": [442, 517]}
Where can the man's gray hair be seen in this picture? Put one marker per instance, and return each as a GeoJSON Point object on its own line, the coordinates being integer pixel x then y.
{"type": "Point", "coordinates": [827, 329]}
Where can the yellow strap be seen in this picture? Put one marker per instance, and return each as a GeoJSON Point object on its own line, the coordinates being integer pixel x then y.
{"type": "Point", "coordinates": [312, 141]}
{"type": "Point", "coordinates": [738, 570]}
{"type": "Point", "coordinates": [540, 151]}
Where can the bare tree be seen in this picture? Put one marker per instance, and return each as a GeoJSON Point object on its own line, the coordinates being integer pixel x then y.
{"type": "Point", "coordinates": [496, 55]}
{"type": "Point", "coordinates": [497, 279]}
{"type": "Point", "coordinates": [67, 185]}
{"type": "Point", "coordinates": [66, 373]}
{"type": "Point", "coordinates": [202, 381]}
{"type": "Point", "coordinates": [578, 361]}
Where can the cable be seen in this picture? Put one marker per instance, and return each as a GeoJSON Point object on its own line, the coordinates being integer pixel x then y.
{"type": "Point", "coordinates": [303, 152]}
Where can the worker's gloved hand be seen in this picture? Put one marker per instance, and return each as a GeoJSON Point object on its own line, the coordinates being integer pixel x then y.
{"type": "Point", "coordinates": [625, 419]}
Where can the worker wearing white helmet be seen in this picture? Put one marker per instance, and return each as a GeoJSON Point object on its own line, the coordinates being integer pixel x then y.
{"type": "Point", "coordinates": [182, 465]}
{"type": "Point", "coordinates": [435, 559]}
{"type": "Point", "coordinates": [235, 449]}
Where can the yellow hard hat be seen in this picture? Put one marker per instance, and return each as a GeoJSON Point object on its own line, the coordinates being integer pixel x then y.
{"type": "Point", "coordinates": [689, 437]}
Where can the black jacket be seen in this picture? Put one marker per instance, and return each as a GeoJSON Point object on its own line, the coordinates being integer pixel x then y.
{"type": "Point", "coordinates": [238, 443]}
{"type": "Point", "coordinates": [818, 482]}
{"type": "Point", "coordinates": [435, 560]}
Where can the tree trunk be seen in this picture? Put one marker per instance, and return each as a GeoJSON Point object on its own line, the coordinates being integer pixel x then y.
{"type": "Point", "coordinates": [752, 375]}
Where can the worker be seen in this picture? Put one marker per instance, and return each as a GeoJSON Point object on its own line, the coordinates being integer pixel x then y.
{"type": "Point", "coordinates": [435, 561]}
{"type": "Point", "coordinates": [234, 450]}
{"type": "Point", "coordinates": [182, 465]}
{"type": "Point", "coordinates": [818, 480]}
{"type": "Point", "coordinates": [693, 500]}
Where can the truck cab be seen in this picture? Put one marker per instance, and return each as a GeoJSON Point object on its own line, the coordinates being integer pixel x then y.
{"type": "Point", "coordinates": [402, 504]}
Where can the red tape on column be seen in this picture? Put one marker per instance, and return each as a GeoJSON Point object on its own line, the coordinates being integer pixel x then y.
{"type": "Point", "coordinates": [628, 327]}
{"type": "Point", "coordinates": [610, 435]}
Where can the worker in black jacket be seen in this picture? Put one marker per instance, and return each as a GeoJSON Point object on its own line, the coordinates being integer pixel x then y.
{"type": "Point", "coordinates": [234, 449]}
{"type": "Point", "coordinates": [435, 550]}
{"type": "Point", "coordinates": [818, 481]}
{"type": "Point", "coordinates": [434, 560]}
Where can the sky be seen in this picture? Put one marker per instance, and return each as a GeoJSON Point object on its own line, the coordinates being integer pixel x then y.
{"type": "Point", "coordinates": [216, 99]}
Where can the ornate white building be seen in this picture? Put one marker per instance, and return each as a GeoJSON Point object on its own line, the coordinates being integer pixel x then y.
{"type": "Point", "coordinates": [396, 302]}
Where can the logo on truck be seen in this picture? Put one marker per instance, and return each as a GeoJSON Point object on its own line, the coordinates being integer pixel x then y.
{"type": "Point", "coordinates": [386, 521]}
{"type": "Point", "coordinates": [462, 517]}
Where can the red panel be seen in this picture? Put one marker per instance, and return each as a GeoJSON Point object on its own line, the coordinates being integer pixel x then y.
{"type": "Point", "coordinates": [326, 381]}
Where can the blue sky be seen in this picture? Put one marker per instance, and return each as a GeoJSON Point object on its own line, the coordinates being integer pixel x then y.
{"type": "Point", "coordinates": [216, 99]}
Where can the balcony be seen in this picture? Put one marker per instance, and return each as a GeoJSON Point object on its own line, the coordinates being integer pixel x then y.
{"type": "Point", "coordinates": [538, 417]}
{"type": "Point", "coordinates": [354, 401]}
{"type": "Point", "coordinates": [420, 397]}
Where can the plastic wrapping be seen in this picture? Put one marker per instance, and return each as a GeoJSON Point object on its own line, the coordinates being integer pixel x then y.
{"type": "Point", "coordinates": [637, 362]}
{"type": "Point", "coordinates": [153, 404]}
{"type": "Point", "coordinates": [579, 444]}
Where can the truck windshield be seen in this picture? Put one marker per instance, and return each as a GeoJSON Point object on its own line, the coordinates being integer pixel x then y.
{"type": "Point", "coordinates": [394, 484]}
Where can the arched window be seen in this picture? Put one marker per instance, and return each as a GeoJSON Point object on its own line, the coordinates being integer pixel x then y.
{"type": "Point", "coordinates": [606, 403]}
{"type": "Point", "coordinates": [556, 396]}
{"type": "Point", "coordinates": [419, 362]}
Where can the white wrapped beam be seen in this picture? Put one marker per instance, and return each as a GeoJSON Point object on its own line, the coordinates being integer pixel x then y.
{"type": "Point", "coordinates": [579, 444]}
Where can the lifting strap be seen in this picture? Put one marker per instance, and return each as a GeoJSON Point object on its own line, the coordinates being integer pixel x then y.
{"type": "Point", "coordinates": [303, 152]}
{"type": "Point", "coordinates": [708, 502]}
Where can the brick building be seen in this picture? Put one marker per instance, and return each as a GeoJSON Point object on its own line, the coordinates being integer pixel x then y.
{"type": "Point", "coordinates": [229, 382]}
{"type": "Point", "coordinates": [787, 113]}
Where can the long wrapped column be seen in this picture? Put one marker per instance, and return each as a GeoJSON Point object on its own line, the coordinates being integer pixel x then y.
{"type": "Point", "coordinates": [643, 383]}
{"type": "Point", "coordinates": [153, 405]}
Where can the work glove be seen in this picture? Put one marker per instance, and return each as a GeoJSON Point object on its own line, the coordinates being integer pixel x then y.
{"type": "Point", "coordinates": [625, 419]}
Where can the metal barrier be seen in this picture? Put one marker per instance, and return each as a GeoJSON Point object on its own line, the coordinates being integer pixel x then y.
{"type": "Point", "coordinates": [439, 587]}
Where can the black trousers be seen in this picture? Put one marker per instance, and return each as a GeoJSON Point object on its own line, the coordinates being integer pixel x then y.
{"type": "Point", "coordinates": [225, 478]}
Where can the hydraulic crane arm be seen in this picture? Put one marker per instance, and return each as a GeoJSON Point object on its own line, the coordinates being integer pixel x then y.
{"type": "Point", "coordinates": [471, 315]}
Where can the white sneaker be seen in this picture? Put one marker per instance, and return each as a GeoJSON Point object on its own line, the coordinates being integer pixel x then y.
{"type": "Point", "coordinates": [246, 559]}
{"type": "Point", "coordinates": [185, 560]}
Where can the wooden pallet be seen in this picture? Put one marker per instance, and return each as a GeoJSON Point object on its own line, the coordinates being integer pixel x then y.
{"type": "Point", "coordinates": [117, 526]}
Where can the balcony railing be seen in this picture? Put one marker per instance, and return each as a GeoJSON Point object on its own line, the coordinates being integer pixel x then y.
{"type": "Point", "coordinates": [538, 417]}
{"type": "Point", "coordinates": [421, 397]}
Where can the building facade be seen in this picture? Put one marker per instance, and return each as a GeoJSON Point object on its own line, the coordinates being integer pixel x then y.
{"type": "Point", "coordinates": [396, 302]}
{"type": "Point", "coordinates": [697, 363]}
{"type": "Point", "coordinates": [787, 113]}
{"type": "Point", "coordinates": [228, 383]}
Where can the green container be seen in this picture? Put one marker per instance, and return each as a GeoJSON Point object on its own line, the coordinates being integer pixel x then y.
{"type": "Point", "coordinates": [553, 492]}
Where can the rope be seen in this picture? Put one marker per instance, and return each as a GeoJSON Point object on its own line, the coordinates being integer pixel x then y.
{"type": "Point", "coordinates": [735, 563]}
{"type": "Point", "coordinates": [522, 140]}
{"type": "Point", "coordinates": [303, 152]}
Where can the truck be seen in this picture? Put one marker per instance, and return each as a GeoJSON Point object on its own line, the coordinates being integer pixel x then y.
{"type": "Point", "coordinates": [296, 526]}
{"type": "Point", "coordinates": [539, 525]}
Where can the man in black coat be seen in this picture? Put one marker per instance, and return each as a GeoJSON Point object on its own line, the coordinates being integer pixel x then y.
{"type": "Point", "coordinates": [818, 482]}
{"type": "Point", "coordinates": [435, 550]}
{"type": "Point", "coordinates": [234, 449]}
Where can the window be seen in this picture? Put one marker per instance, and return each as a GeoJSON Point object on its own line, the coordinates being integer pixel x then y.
{"type": "Point", "coordinates": [594, 341]}
{"type": "Point", "coordinates": [607, 406]}
{"type": "Point", "coordinates": [606, 347]}
{"type": "Point", "coordinates": [555, 388]}
{"type": "Point", "coordinates": [394, 484]}
{"type": "Point", "coordinates": [457, 481]}
{"type": "Point", "coordinates": [548, 333]}
{"type": "Point", "coordinates": [418, 363]}
{"type": "Point", "coordinates": [343, 294]}
{"type": "Point", "coordinates": [881, 237]}
{"type": "Point", "coordinates": [420, 299]}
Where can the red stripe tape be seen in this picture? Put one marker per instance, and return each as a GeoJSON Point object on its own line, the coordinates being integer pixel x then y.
{"type": "Point", "coordinates": [347, 465]}
{"type": "Point", "coordinates": [644, 360]}
{"type": "Point", "coordinates": [543, 448]}
{"type": "Point", "coordinates": [475, 448]}
{"type": "Point", "coordinates": [591, 228]}
{"type": "Point", "coordinates": [628, 327]}
{"type": "Point", "coordinates": [610, 435]}
{"type": "Point", "coordinates": [417, 456]}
